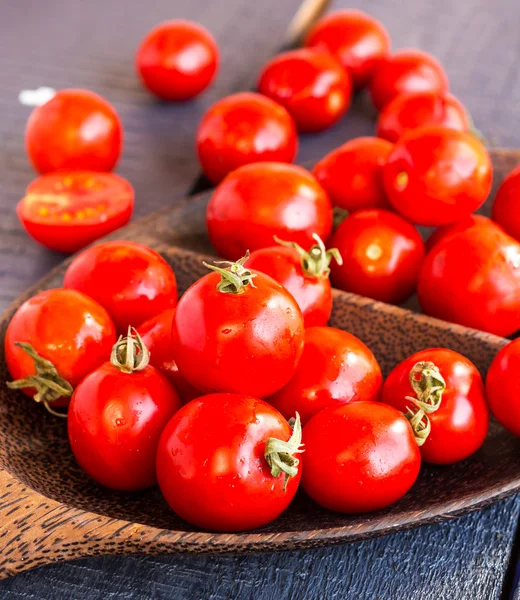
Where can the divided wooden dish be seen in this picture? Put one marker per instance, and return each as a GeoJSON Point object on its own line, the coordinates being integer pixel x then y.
{"type": "Point", "coordinates": [50, 510]}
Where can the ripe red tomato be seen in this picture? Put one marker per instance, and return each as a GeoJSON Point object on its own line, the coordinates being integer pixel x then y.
{"type": "Point", "coordinates": [460, 423]}
{"type": "Point", "coordinates": [131, 281]}
{"type": "Point", "coordinates": [177, 60]}
{"type": "Point", "coordinates": [506, 207]}
{"type": "Point", "coordinates": [75, 130]}
{"type": "Point", "coordinates": [382, 255]}
{"type": "Point", "coordinates": [66, 211]}
{"type": "Point", "coordinates": [409, 111]}
{"type": "Point", "coordinates": [502, 385]}
{"type": "Point", "coordinates": [444, 232]}
{"type": "Point", "coordinates": [117, 415]}
{"type": "Point", "coordinates": [407, 72]}
{"type": "Point", "coordinates": [473, 278]}
{"type": "Point", "coordinates": [241, 129]}
{"type": "Point", "coordinates": [355, 38]}
{"type": "Point", "coordinates": [237, 331]}
{"type": "Point", "coordinates": [263, 200]}
{"type": "Point", "coordinates": [436, 176]}
{"type": "Point", "coordinates": [359, 457]}
{"type": "Point", "coordinates": [352, 174]}
{"type": "Point", "coordinates": [216, 466]}
{"type": "Point", "coordinates": [156, 334]}
{"type": "Point", "coordinates": [335, 368]}
{"type": "Point", "coordinates": [64, 327]}
{"type": "Point", "coordinates": [311, 84]}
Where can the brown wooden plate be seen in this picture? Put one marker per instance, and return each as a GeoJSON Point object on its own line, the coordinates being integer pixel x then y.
{"type": "Point", "coordinates": [50, 510]}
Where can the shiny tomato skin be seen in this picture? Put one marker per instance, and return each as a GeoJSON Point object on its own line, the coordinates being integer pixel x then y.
{"type": "Point", "coordinates": [478, 273]}
{"type": "Point", "coordinates": [66, 327]}
{"type": "Point", "coordinates": [446, 231]}
{"type": "Point", "coordinates": [115, 421]}
{"type": "Point", "coordinates": [244, 128]}
{"type": "Point", "coordinates": [211, 466]}
{"type": "Point", "coordinates": [459, 426]}
{"type": "Point", "coordinates": [335, 368]}
{"type": "Point", "coordinates": [359, 457]}
{"type": "Point", "coordinates": [76, 129]}
{"type": "Point", "coordinates": [506, 206]}
{"type": "Point", "coordinates": [131, 281]}
{"type": "Point", "coordinates": [352, 174]}
{"type": "Point", "coordinates": [311, 84]}
{"type": "Point", "coordinates": [437, 176]}
{"type": "Point", "coordinates": [357, 40]}
{"type": "Point", "coordinates": [406, 72]}
{"type": "Point", "coordinates": [177, 60]}
{"type": "Point", "coordinates": [410, 111]}
{"type": "Point", "coordinates": [261, 200]}
{"type": "Point", "coordinates": [246, 343]}
{"type": "Point", "coordinates": [382, 256]}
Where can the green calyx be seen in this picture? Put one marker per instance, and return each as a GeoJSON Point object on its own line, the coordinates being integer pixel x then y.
{"type": "Point", "coordinates": [235, 278]}
{"type": "Point", "coordinates": [280, 455]}
{"type": "Point", "coordinates": [129, 353]}
{"type": "Point", "coordinates": [316, 261]}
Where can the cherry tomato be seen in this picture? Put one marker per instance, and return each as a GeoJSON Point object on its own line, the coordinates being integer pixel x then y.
{"type": "Point", "coordinates": [239, 331]}
{"type": "Point", "coordinates": [460, 422]}
{"type": "Point", "coordinates": [263, 200]}
{"type": "Point", "coordinates": [335, 368]}
{"type": "Point", "coordinates": [473, 278]}
{"type": "Point", "coordinates": [407, 72]}
{"type": "Point", "coordinates": [131, 281]}
{"type": "Point", "coordinates": [444, 232]}
{"type": "Point", "coordinates": [311, 84]}
{"type": "Point", "coordinates": [75, 130]}
{"type": "Point", "coordinates": [64, 327]}
{"type": "Point", "coordinates": [502, 385]}
{"type": "Point", "coordinates": [356, 39]}
{"type": "Point", "coordinates": [436, 176]}
{"type": "Point", "coordinates": [177, 60]}
{"type": "Point", "coordinates": [506, 207]}
{"type": "Point", "coordinates": [382, 255]}
{"type": "Point", "coordinates": [117, 415]}
{"type": "Point", "coordinates": [359, 457]}
{"type": "Point", "coordinates": [156, 334]}
{"type": "Point", "coordinates": [244, 128]}
{"type": "Point", "coordinates": [409, 111]}
{"type": "Point", "coordinates": [352, 174]}
{"type": "Point", "coordinates": [66, 211]}
{"type": "Point", "coordinates": [216, 467]}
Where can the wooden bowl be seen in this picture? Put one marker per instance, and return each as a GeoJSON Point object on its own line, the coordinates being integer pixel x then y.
{"type": "Point", "coordinates": [50, 510]}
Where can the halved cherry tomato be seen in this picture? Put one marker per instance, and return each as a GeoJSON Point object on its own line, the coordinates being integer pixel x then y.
{"type": "Point", "coordinates": [444, 232]}
{"type": "Point", "coordinates": [244, 128]}
{"type": "Point", "coordinates": [355, 38]}
{"type": "Point", "coordinates": [74, 130]}
{"type": "Point", "coordinates": [68, 210]}
{"type": "Point", "coordinates": [506, 207]}
{"type": "Point", "coordinates": [177, 60]}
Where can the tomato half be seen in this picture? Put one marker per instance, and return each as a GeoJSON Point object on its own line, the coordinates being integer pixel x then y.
{"type": "Point", "coordinates": [506, 206]}
{"type": "Point", "coordinates": [446, 231]}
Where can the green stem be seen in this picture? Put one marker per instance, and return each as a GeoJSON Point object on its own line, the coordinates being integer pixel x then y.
{"type": "Point", "coordinates": [234, 276]}
{"type": "Point", "coordinates": [280, 455]}
{"type": "Point", "coordinates": [316, 261]}
{"type": "Point", "coordinates": [129, 353]}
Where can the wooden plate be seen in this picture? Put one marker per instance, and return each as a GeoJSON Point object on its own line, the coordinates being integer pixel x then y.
{"type": "Point", "coordinates": [50, 510]}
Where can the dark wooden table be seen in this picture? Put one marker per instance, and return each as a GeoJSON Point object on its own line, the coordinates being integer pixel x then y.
{"type": "Point", "coordinates": [90, 44]}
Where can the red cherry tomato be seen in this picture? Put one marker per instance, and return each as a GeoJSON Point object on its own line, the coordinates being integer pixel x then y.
{"type": "Point", "coordinates": [502, 385]}
{"type": "Point", "coordinates": [444, 232]}
{"type": "Point", "coordinates": [359, 457]}
{"type": "Point", "coordinates": [64, 327]}
{"type": "Point", "coordinates": [407, 72]}
{"type": "Point", "coordinates": [460, 423]}
{"type": "Point", "coordinates": [335, 368]}
{"type": "Point", "coordinates": [355, 38]}
{"type": "Point", "coordinates": [473, 278]}
{"type": "Point", "coordinates": [66, 211]}
{"type": "Point", "coordinates": [382, 255]}
{"type": "Point", "coordinates": [262, 200]}
{"type": "Point", "coordinates": [75, 130]}
{"type": "Point", "coordinates": [212, 466]}
{"type": "Point", "coordinates": [436, 176]}
{"type": "Point", "coordinates": [116, 417]}
{"type": "Point", "coordinates": [156, 334]}
{"type": "Point", "coordinates": [244, 128]}
{"type": "Point", "coordinates": [311, 84]}
{"type": "Point", "coordinates": [410, 111]}
{"type": "Point", "coordinates": [131, 281]}
{"type": "Point", "coordinates": [237, 331]}
{"type": "Point", "coordinates": [352, 174]}
{"type": "Point", "coordinates": [177, 60]}
{"type": "Point", "coordinates": [506, 207]}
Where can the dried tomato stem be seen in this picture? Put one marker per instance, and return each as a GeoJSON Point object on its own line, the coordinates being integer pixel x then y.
{"type": "Point", "coordinates": [280, 455]}
{"type": "Point", "coordinates": [129, 353]}
{"type": "Point", "coordinates": [234, 277]}
{"type": "Point", "coordinates": [316, 261]}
